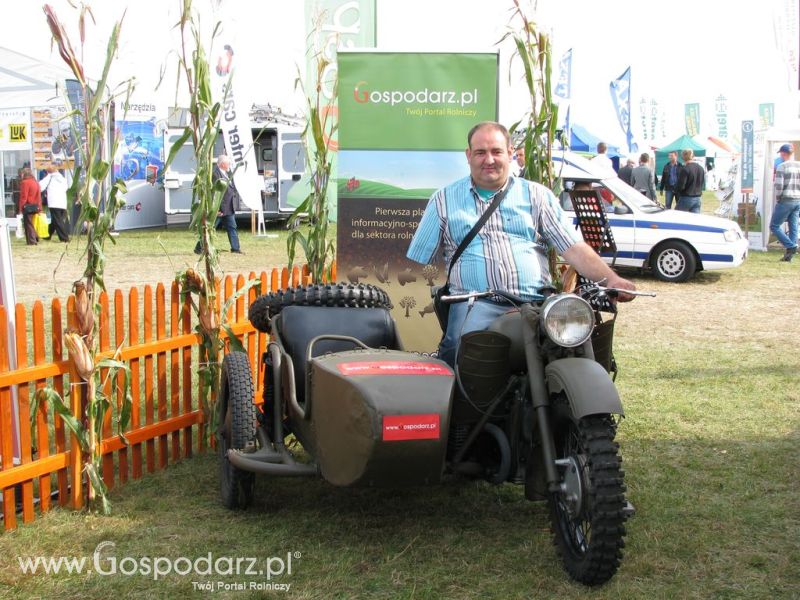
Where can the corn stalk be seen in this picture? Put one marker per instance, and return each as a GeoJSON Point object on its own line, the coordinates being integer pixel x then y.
{"type": "Point", "coordinates": [532, 48]}
{"type": "Point", "coordinates": [99, 203]}
{"type": "Point", "coordinates": [320, 127]}
{"type": "Point", "coordinates": [199, 284]}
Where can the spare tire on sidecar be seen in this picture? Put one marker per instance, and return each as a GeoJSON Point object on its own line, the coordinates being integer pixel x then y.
{"type": "Point", "coordinates": [337, 379]}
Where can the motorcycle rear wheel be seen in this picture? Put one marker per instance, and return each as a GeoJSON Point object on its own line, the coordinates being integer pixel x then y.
{"type": "Point", "coordinates": [588, 515]}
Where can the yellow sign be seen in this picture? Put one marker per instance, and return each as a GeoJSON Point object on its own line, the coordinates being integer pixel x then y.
{"type": "Point", "coordinates": [18, 132]}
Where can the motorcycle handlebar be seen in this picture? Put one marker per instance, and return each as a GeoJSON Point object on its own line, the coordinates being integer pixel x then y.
{"type": "Point", "coordinates": [613, 292]}
{"type": "Point", "coordinates": [447, 299]}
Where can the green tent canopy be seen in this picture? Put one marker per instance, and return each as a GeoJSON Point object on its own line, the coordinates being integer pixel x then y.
{"type": "Point", "coordinates": [684, 142]}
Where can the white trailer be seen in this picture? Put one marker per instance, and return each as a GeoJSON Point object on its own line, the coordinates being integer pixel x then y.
{"type": "Point", "coordinates": [280, 159]}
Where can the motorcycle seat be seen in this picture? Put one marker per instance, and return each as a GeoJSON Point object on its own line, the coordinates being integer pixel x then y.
{"type": "Point", "coordinates": [298, 325]}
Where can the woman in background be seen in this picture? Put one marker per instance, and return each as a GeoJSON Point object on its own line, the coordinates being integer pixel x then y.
{"type": "Point", "coordinates": [30, 196]}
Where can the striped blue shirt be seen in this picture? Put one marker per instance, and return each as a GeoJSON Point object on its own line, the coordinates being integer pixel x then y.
{"type": "Point", "coordinates": [787, 181]}
{"type": "Point", "coordinates": [510, 251]}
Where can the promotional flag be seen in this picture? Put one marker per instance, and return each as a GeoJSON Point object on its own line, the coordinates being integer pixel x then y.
{"type": "Point", "coordinates": [77, 102]}
{"type": "Point", "coordinates": [332, 25]}
{"type": "Point", "coordinates": [234, 119]}
{"type": "Point", "coordinates": [691, 114]}
{"type": "Point", "coordinates": [747, 157]}
{"type": "Point", "coordinates": [564, 85]}
{"type": "Point", "coordinates": [643, 111]}
{"type": "Point", "coordinates": [653, 118]}
{"type": "Point", "coordinates": [721, 105]}
{"type": "Point", "coordinates": [567, 127]}
{"type": "Point", "coordinates": [621, 97]}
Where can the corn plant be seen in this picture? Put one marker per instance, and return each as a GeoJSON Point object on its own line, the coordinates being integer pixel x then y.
{"type": "Point", "coordinates": [532, 48]}
{"type": "Point", "coordinates": [312, 235]}
{"type": "Point", "coordinates": [202, 282]}
{"type": "Point", "coordinates": [100, 203]}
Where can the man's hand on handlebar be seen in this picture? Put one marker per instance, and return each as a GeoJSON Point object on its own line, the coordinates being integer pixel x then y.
{"type": "Point", "coordinates": [619, 283]}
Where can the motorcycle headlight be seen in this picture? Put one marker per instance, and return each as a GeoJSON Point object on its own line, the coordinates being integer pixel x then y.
{"type": "Point", "coordinates": [568, 320]}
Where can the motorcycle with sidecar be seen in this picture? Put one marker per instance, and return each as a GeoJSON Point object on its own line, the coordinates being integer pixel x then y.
{"type": "Point", "coordinates": [531, 401]}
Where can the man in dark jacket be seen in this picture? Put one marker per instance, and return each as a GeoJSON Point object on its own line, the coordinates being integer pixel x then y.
{"type": "Point", "coordinates": [227, 208]}
{"type": "Point", "coordinates": [625, 173]}
{"type": "Point", "coordinates": [691, 181]}
{"type": "Point", "coordinates": [669, 179]}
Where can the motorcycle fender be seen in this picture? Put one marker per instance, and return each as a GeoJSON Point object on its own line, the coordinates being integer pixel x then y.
{"type": "Point", "coordinates": [586, 384]}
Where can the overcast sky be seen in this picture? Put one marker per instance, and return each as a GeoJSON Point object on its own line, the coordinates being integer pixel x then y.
{"type": "Point", "coordinates": [681, 51]}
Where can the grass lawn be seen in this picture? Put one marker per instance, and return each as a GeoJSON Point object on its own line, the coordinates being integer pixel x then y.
{"type": "Point", "coordinates": [708, 377]}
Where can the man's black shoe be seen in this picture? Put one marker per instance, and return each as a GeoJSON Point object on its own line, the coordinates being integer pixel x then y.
{"type": "Point", "coordinates": [788, 254]}
{"type": "Point", "coordinates": [196, 251]}
{"type": "Point", "coordinates": [237, 252]}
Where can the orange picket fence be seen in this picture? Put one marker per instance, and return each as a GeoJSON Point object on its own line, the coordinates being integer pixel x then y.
{"type": "Point", "coordinates": [156, 339]}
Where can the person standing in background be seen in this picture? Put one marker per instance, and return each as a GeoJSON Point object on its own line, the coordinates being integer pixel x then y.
{"type": "Point", "coordinates": [691, 181]}
{"type": "Point", "coordinates": [603, 160]}
{"type": "Point", "coordinates": [520, 157]}
{"type": "Point", "coordinates": [55, 184]}
{"type": "Point", "coordinates": [227, 208]}
{"type": "Point", "coordinates": [669, 179]}
{"type": "Point", "coordinates": [787, 202]}
{"type": "Point", "coordinates": [30, 204]}
{"type": "Point", "coordinates": [626, 172]}
{"type": "Point", "coordinates": [642, 177]}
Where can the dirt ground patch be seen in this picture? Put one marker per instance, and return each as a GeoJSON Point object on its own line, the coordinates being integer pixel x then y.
{"type": "Point", "coordinates": [731, 306]}
{"type": "Point", "coordinates": [137, 259]}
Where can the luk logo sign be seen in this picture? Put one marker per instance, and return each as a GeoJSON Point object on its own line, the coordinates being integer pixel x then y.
{"type": "Point", "coordinates": [18, 132]}
{"type": "Point", "coordinates": [423, 96]}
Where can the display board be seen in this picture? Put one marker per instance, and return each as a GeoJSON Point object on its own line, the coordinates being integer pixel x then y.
{"type": "Point", "coordinates": [139, 161]}
{"type": "Point", "coordinates": [403, 124]}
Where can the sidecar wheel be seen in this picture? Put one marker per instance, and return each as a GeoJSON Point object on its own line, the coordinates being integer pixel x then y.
{"type": "Point", "coordinates": [237, 428]}
{"type": "Point", "coordinates": [588, 515]}
{"type": "Point", "coordinates": [335, 294]}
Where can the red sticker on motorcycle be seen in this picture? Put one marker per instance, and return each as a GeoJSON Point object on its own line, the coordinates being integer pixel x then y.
{"type": "Point", "coordinates": [392, 367]}
{"type": "Point", "coordinates": [410, 427]}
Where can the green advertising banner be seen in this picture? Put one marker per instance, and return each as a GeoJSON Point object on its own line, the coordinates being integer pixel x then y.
{"type": "Point", "coordinates": [403, 124]}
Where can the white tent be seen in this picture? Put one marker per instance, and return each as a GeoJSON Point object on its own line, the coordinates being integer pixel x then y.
{"type": "Point", "coordinates": [26, 81]}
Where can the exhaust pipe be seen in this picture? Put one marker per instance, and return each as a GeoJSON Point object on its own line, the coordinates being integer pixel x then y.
{"type": "Point", "coordinates": [245, 462]}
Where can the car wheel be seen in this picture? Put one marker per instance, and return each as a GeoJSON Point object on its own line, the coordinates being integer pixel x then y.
{"type": "Point", "coordinates": [673, 261]}
{"type": "Point", "coordinates": [237, 428]}
{"type": "Point", "coordinates": [342, 294]}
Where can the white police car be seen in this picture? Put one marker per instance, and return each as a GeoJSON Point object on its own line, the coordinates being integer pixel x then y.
{"type": "Point", "coordinates": [673, 244]}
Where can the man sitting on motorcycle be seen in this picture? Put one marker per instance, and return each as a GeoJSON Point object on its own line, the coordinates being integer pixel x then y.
{"type": "Point", "coordinates": [510, 252]}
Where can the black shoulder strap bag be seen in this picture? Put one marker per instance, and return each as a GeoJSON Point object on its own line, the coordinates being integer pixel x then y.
{"type": "Point", "coordinates": [442, 309]}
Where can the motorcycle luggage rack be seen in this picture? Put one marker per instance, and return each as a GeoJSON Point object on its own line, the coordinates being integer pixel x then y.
{"type": "Point", "coordinates": [594, 226]}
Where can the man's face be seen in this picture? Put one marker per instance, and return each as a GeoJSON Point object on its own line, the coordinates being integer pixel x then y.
{"type": "Point", "coordinates": [673, 157]}
{"type": "Point", "coordinates": [521, 157]}
{"type": "Point", "coordinates": [489, 157]}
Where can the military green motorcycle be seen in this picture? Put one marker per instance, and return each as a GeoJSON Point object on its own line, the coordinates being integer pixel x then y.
{"type": "Point", "coordinates": [531, 401]}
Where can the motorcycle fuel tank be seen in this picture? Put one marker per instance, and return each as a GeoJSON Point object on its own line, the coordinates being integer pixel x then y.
{"type": "Point", "coordinates": [380, 417]}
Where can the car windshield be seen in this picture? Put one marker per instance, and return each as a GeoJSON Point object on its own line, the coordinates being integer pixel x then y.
{"type": "Point", "coordinates": [630, 196]}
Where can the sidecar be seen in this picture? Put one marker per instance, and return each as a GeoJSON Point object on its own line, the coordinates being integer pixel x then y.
{"type": "Point", "coordinates": [337, 379]}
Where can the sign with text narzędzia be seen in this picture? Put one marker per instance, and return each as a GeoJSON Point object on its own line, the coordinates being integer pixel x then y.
{"type": "Point", "coordinates": [403, 124]}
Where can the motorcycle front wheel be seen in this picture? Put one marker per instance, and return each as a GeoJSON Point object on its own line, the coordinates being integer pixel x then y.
{"type": "Point", "coordinates": [587, 513]}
